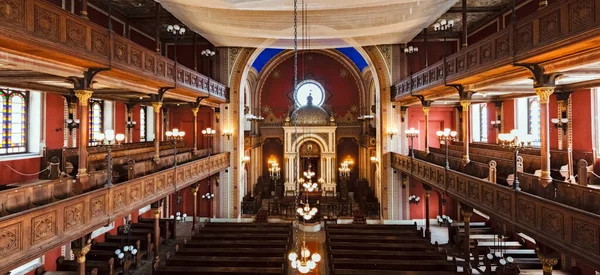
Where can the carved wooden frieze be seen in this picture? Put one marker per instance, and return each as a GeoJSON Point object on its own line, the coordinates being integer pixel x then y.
{"type": "Point", "coordinates": [119, 199]}
{"type": "Point", "coordinates": [461, 64]}
{"type": "Point", "coordinates": [485, 52]}
{"type": "Point", "coordinates": [73, 215]}
{"type": "Point", "coordinates": [13, 12]}
{"type": "Point", "coordinates": [526, 212]}
{"type": "Point", "coordinates": [11, 239]}
{"type": "Point", "coordinates": [43, 227]}
{"type": "Point", "coordinates": [45, 23]}
{"type": "Point", "coordinates": [472, 59]}
{"type": "Point", "coordinates": [120, 52]}
{"type": "Point", "coordinates": [149, 63]}
{"type": "Point", "coordinates": [76, 34]}
{"type": "Point", "coordinates": [136, 57]}
{"type": "Point", "coordinates": [525, 36]}
{"type": "Point", "coordinates": [504, 203]}
{"type": "Point", "coordinates": [502, 45]}
{"type": "Point", "coordinates": [97, 206]}
{"type": "Point", "coordinates": [553, 222]}
{"type": "Point", "coordinates": [581, 14]}
{"type": "Point", "coordinates": [148, 187]}
{"type": "Point", "coordinates": [586, 236]}
{"type": "Point", "coordinates": [550, 26]}
{"type": "Point", "coordinates": [135, 192]}
{"type": "Point", "coordinates": [99, 43]}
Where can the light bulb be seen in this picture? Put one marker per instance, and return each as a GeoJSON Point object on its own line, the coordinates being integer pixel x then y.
{"type": "Point", "coordinates": [294, 265]}
{"type": "Point", "coordinates": [311, 264]}
{"type": "Point", "coordinates": [316, 257]}
{"type": "Point", "coordinates": [303, 269]}
{"type": "Point", "coordinates": [305, 252]}
{"type": "Point", "coordinates": [121, 256]}
{"type": "Point", "coordinates": [126, 248]}
{"type": "Point", "coordinates": [134, 251]}
{"type": "Point", "coordinates": [110, 135]}
{"type": "Point", "coordinates": [292, 257]}
{"type": "Point", "coordinates": [118, 251]}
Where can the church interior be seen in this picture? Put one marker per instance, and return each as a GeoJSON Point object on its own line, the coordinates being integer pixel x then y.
{"type": "Point", "coordinates": [400, 137]}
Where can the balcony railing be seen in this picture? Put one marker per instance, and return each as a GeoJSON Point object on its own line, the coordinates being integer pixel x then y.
{"type": "Point", "coordinates": [41, 29]}
{"type": "Point", "coordinates": [30, 233]}
{"type": "Point", "coordinates": [567, 229]}
{"type": "Point", "coordinates": [547, 32]}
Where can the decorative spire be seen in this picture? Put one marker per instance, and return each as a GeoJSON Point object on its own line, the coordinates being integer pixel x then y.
{"type": "Point", "coordinates": [309, 99]}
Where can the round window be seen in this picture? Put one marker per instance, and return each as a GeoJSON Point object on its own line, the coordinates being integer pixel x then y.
{"type": "Point", "coordinates": [312, 88]}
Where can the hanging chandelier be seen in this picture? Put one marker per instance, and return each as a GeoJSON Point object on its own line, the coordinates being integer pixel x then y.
{"type": "Point", "coordinates": [306, 262]}
{"type": "Point", "coordinates": [306, 211]}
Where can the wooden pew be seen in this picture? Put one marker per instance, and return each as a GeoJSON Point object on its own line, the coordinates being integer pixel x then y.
{"type": "Point", "coordinates": [171, 224]}
{"type": "Point", "coordinates": [112, 246]}
{"type": "Point", "coordinates": [236, 244]}
{"type": "Point", "coordinates": [231, 252]}
{"type": "Point", "coordinates": [193, 270]}
{"type": "Point", "coordinates": [41, 271]}
{"type": "Point", "coordinates": [220, 261]}
{"type": "Point", "coordinates": [103, 267]}
{"type": "Point", "coordinates": [165, 231]}
{"type": "Point", "coordinates": [146, 245]}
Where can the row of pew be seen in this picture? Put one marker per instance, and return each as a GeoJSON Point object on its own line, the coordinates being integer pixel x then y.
{"type": "Point", "coordinates": [355, 249]}
{"type": "Point", "coordinates": [101, 259]}
{"type": "Point", "coordinates": [231, 248]}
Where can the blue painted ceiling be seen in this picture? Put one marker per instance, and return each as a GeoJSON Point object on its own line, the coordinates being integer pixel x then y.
{"type": "Point", "coordinates": [267, 54]}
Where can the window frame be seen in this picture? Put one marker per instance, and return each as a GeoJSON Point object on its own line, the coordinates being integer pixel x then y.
{"type": "Point", "coordinates": [482, 119]}
{"type": "Point", "coordinates": [92, 141]}
{"type": "Point", "coordinates": [143, 126]}
{"type": "Point", "coordinates": [6, 95]}
{"type": "Point", "coordinates": [537, 139]}
{"type": "Point", "coordinates": [316, 83]}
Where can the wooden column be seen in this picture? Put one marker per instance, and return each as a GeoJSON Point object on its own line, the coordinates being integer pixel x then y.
{"type": "Point", "coordinates": [84, 6]}
{"type": "Point", "coordinates": [464, 24]}
{"type": "Point", "coordinates": [156, 211]}
{"type": "Point", "coordinates": [129, 114]}
{"type": "Point", "coordinates": [426, 112]}
{"type": "Point", "coordinates": [72, 115]}
{"type": "Point", "coordinates": [84, 114]}
{"type": "Point", "coordinates": [467, 212]}
{"type": "Point", "coordinates": [427, 223]}
{"type": "Point", "coordinates": [156, 106]}
{"type": "Point", "coordinates": [195, 134]}
{"type": "Point", "coordinates": [498, 117]}
{"type": "Point", "coordinates": [80, 257]}
{"type": "Point", "coordinates": [544, 94]}
{"type": "Point", "coordinates": [465, 129]}
{"type": "Point", "coordinates": [195, 213]}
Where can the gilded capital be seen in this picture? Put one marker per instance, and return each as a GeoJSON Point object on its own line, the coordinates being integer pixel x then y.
{"type": "Point", "coordinates": [427, 193]}
{"type": "Point", "coordinates": [465, 103]}
{"type": "Point", "coordinates": [547, 263]}
{"type": "Point", "coordinates": [156, 212]}
{"type": "Point", "coordinates": [195, 111]}
{"type": "Point", "coordinates": [195, 190]}
{"type": "Point", "coordinates": [544, 93]}
{"type": "Point", "coordinates": [81, 252]}
{"type": "Point", "coordinates": [156, 106]}
{"type": "Point", "coordinates": [466, 215]}
{"type": "Point", "coordinates": [426, 110]}
{"type": "Point", "coordinates": [83, 96]}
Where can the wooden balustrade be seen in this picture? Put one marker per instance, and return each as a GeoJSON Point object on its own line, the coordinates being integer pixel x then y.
{"type": "Point", "coordinates": [28, 234]}
{"type": "Point", "coordinates": [556, 31]}
{"type": "Point", "coordinates": [39, 28]}
{"type": "Point", "coordinates": [572, 231]}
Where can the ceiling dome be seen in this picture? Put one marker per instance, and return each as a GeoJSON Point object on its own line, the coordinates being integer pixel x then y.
{"type": "Point", "coordinates": [310, 114]}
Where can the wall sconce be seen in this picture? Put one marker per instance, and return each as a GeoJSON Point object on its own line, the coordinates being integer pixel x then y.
{"type": "Point", "coordinates": [392, 132]}
{"type": "Point", "coordinates": [496, 124]}
{"type": "Point", "coordinates": [227, 133]}
{"type": "Point", "coordinates": [246, 159]}
{"type": "Point", "coordinates": [72, 124]}
{"type": "Point", "coordinates": [561, 123]}
{"type": "Point", "coordinates": [131, 124]}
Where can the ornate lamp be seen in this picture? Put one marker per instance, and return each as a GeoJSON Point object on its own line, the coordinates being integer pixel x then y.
{"type": "Point", "coordinates": [108, 139]}
{"type": "Point", "coordinates": [515, 141]}
{"type": "Point", "coordinates": [411, 134]}
{"type": "Point", "coordinates": [446, 136]}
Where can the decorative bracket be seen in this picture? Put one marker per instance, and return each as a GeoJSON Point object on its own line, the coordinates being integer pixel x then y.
{"type": "Point", "coordinates": [85, 82]}
{"type": "Point", "coordinates": [540, 79]}
{"type": "Point", "coordinates": [464, 95]}
{"type": "Point", "coordinates": [199, 99]}
{"type": "Point", "coordinates": [161, 92]}
{"type": "Point", "coordinates": [424, 103]}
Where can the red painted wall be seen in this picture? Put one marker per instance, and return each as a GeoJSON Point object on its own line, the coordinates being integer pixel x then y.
{"type": "Point", "coordinates": [581, 101]}
{"type": "Point", "coordinates": [55, 122]}
{"type": "Point", "coordinates": [435, 53]}
{"type": "Point", "coordinates": [439, 118]}
{"type": "Point", "coordinates": [482, 33]}
{"type": "Point", "coordinates": [508, 113]}
{"type": "Point", "coordinates": [341, 90]}
{"type": "Point", "coordinates": [182, 118]}
{"type": "Point", "coordinates": [120, 117]}
{"type": "Point", "coordinates": [417, 211]}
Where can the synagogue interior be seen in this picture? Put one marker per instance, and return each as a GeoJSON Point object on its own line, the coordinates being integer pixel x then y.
{"type": "Point", "coordinates": [400, 137]}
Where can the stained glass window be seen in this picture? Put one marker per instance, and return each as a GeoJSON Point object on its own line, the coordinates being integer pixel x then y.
{"type": "Point", "coordinates": [143, 123]}
{"type": "Point", "coordinates": [533, 127]}
{"type": "Point", "coordinates": [479, 122]}
{"type": "Point", "coordinates": [95, 120]}
{"type": "Point", "coordinates": [14, 121]}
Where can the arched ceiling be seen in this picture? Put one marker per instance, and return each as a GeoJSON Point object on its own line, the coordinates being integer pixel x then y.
{"type": "Point", "coordinates": [331, 23]}
{"type": "Point", "coordinates": [267, 54]}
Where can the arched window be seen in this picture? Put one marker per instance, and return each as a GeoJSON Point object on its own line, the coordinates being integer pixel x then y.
{"type": "Point", "coordinates": [14, 121]}
{"type": "Point", "coordinates": [533, 127]}
{"type": "Point", "coordinates": [479, 122]}
{"type": "Point", "coordinates": [95, 120]}
{"type": "Point", "coordinates": [143, 123]}
{"type": "Point", "coordinates": [312, 88]}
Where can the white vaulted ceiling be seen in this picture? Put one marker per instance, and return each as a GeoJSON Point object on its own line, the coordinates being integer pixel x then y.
{"type": "Point", "coordinates": [331, 23]}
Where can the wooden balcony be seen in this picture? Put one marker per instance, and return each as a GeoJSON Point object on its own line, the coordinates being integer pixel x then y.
{"type": "Point", "coordinates": [39, 30]}
{"type": "Point", "coordinates": [561, 36]}
{"type": "Point", "coordinates": [28, 234]}
{"type": "Point", "coordinates": [566, 229]}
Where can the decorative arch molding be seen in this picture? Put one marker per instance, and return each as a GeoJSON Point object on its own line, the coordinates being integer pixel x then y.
{"type": "Point", "coordinates": [323, 145]}
{"type": "Point", "coordinates": [270, 67]}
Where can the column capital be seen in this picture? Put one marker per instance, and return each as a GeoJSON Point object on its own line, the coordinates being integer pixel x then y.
{"type": "Point", "coordinates": [195, 190]}
{"type": "Point", "coordinates": [465, 103]}
{"type": "Point", "coordinates": [544, 93]}
{"type": "Point", "coordinates": [547, 263]}
{"type": "Point", "coordinates": [466, 215]}
{"type": "Point", "coordinates": [157, 106]}
{"type": "Point", "coordinates": [81, 252]}
{"type": "Point", "coordinates": [195, 111]}
{"type": "Point", "coordinates": [83, 96]}
{"type": "Point", "coordinates": [156, 212]}
{"type": "Point", "coordinates": [426, 110]}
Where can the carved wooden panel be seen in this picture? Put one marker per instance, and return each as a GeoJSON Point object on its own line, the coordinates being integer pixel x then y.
{"type": "Point", "coordinates": [585, 236]}
{"type": "Point", "coordinates": [485, 52]}
{"type": "Point", "coordinates": [160, 68]}
{"type": "Point", "coordinates": [76, 34]}
{"type": "Point", "coordinates": [553, 222]}
{"type": "Point", "coordinates": [471, 59]}
{"type": "Point", "coordinates": [148, 187]}
{"type": "Point", "coordinates": [43, 227]}
{"type": "Point", "coordinates": [461, 64]}
{"type": "Point", "coordinates": [11, 239]}
{"type": "Point", "coordinates": [526, 212]}
{"type": "Point", "coordinates": [149, 63]}
{"type": "Point", "coordinates": [99, 43]}
{"type": "Point", "coordinates": [550, 26]}
{"type": "Point", "coordinates": [135, 193]}
{"type": "Point", "coordinates": [120, 52]}
{"type": "Point", "coordinates": [504, 204]}
{"type": "Point", "coordinates": [136, 57]}
{"type": "Point", "coordinates": [170, 72]}
{"type": "Point", "coordinates": [13, 12]}
{"type": "Point", "coordinates": [45, 23]}
{"type": "Point", "coordinates": [119, 199]}
{"type": "Point", "coordinates": [97, 206]}
{"type": "Point", "coordinates": [525, 36]}
{"type": "Point", "coordinates": [73, 215]}
{"type": "Point", "coordinates": [581, 14]}
{"type": "Point", "coordinates": [502, 46]}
